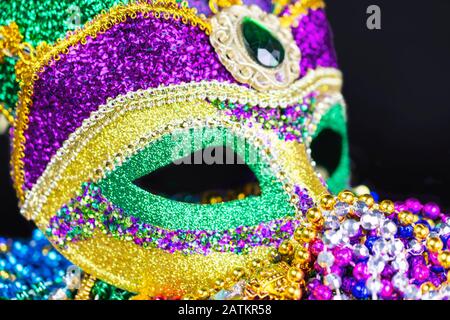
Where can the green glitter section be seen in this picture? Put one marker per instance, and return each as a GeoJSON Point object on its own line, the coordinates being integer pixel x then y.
{"type": "Point", "coordinates": [335, 120]}
{"type": "Point", "coordinates": [42, 20]}
{"type": "Point", "coordinates": [117, 187]}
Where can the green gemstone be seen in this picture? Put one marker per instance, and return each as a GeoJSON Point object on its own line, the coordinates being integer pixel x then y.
{"type": "Point", "coordinates": [261, 45]}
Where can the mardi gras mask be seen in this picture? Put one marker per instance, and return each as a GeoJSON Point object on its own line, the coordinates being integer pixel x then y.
{"type": "Point", "coordinates": [149, 85]}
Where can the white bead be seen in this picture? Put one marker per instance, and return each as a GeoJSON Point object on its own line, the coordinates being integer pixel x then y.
{"type": "Point", "coordinates": [370, 220]}
{"type": "Point", "coordinates": [375, 265]}
{"type": "Point", "coordinates": [415, 247]}
{"type": "Point", "coordinates": [400, 281]}
{"type": "Point", "coordinates": [342, 209]}
{"type": "Point", "coordinates": [388, 229]}
{"type": "Point", "coordinates": [350, 227]}
{"type": "Point", "coordinates": [374, 285]}
{"type": "Point", "coordinates": [360, 208]}
{"type": "Point", "coordinates": [360, 251]}
{"type": "Point", "coordinates": [325, 259]}
{"type": "Point", "coordinates": [333, 281]}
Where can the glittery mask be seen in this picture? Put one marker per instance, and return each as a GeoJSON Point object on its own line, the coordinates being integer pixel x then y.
{"type": "Point", "coordinates": [145, 84]}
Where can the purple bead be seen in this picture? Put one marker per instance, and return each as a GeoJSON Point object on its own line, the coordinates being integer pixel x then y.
{"type": "Point", "coordinates": [420, 272]}
{"type": "Point", "coordinates": [316, 247]}
{"type": "Point", "coordinates": [322, 292]}
{"type": "Point", "coordinates": [413, 205]}
{"type": "Point", "coordinates": [388, 272]}
{"type": "Point", "coordinates": [360, 271]}
{"type": "Point", "coordinates": [431, 210]}
{"type": "Point", "coordinates": [387, 289]}
{"type": "Point", "coordinates": [342, 256]}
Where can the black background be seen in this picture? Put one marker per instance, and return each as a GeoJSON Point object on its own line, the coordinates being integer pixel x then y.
{"type": "Point", "coordinates": [397, 89]}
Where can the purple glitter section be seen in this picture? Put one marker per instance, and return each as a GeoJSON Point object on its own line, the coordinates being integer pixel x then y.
{"type": "Point", "coordinates": [315, 40]}
{"type": "Point", "coordinates": [77, 221]}
{"type": "Point", "coordinates": [137, 54]}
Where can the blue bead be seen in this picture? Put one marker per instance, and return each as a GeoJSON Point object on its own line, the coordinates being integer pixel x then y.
{"type": "Point", "coordinates": [370, 241]}
{"type": "Point", "coordinates": [360, 290]}
{"type": "Point", "coordinates": [405, 231]}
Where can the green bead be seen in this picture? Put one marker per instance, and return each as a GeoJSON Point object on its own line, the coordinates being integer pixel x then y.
{"type": "Point", "coordinates": [261, 44]}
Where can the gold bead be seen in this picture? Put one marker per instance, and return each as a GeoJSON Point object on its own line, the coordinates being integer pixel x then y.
{"type": "Point", "coordinates": [188, 297]}
{"type": "Point", "coordinates": [421, 231]}
{"type": "Point", "coordinates": [203, 293]}
{"type": "Point", "coordinates": [238, 273]}
{"type": "Point", "coordinates": [219, 283]}
{"type": "Point", "coordinates": [286, 248]}
{"type": "Point", "coordinates": [314, 215]}
{"type": "Point", "coordinates": [293, 292]}
{"type": "Point", "coordinates": [405, 218]}
{"type": "Point", "coordinates": [303, 234]}
{"type": "Point", "coordinates": [434, 244]}
{"type": "Point", "coordinates": [302, 256]}
{"type": "Point", "coordinates": [444, 259]}
{"type": "Point", "coordinates": [427, 287]}
{"type": "Point", "coordinates": [257, 263]}
{"type": "Point", "coordinates": [367, 199]}
{"type": "Point", "coordinates": [295, 274]}
{"type": "Point", "coordinates": [327, 202]}
{"type": "Point", "coordinates": [387, 206]}
{"type": "Point", "coordinates": [346, 196]}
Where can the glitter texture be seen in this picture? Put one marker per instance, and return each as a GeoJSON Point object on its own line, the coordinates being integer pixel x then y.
{"type": "Point", "coordinates": [118, 185]}
{"type": "Point", "coordinates": [90, 210]}
{"type": "Point", "coordinates": [137, 54]}
{"type": "Point", "coordinates": [314, 38]}
{"type": "Point", "coordinates": [288, 123]}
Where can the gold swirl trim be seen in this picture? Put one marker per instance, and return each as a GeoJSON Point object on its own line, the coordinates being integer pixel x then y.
{"type": "Point", "coordinates": [101, 23]}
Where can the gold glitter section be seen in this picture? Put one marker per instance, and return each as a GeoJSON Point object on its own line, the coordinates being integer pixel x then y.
{"type": "Point", "coordinates": [300, 7]}
{"type": "Point", "coordinates": [117, 14]}
{"type": "Point", "coordinates": [153, 271]}
{"type": "Point", "coordinates": [110, 143]}
{"type": "Point", "coordinates": [297, 166]}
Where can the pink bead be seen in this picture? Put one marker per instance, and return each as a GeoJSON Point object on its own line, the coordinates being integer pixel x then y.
{"type": "Point", "coordinates": [431, 210]}
{"type": "Point", "coordinates": [342, 256]}
{"type": "Point", "coordinates": [420, 272]}
{"type": "Point", "coordinates": [414, 205]}
{"type": "Point", "coordinates": [386, 289]}
{"type": "Point", "coordinates": [316, 247]}
{"type": "Point", "coordinates": [322, 292]}
{"type": "Point", "coordinates": [360, 271]}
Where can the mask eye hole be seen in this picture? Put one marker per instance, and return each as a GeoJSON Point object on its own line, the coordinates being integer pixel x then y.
{"type": "Point", "coordinates": [326, 150]}
{"type": "Point", "coordinates": [195, 180]}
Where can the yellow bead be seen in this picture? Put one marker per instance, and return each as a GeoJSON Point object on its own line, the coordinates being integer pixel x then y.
{"type": "Point", "coordinates": [304, 234]}
{"type": "Point", "coordinates": [286, 248]}
{"type": "Point", "coordinates": [314, 215]}
{"type": "Point", "coordinates": [293, 292]}
{"type": "Point", "coordinates": [367, 199]}
{"type": "Point", "coordinates": [346, 196]}
{"type": "Point", "coordinates": [302, 256]}
{"type": "Point", "coordinates": [327, 202]}
{"type": "Point", "coordinates": [295, 274]}
{"type": "Point", "coordinates": [421, 231]}
{"type": "Point", "coordinates": [444, 259]}
{"type": "Point", "coordinates": [427, 287]}
{"type": "Point", "coordinates": [434, 244]}
{"type": "Point", "coordinates": [387, 206]}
